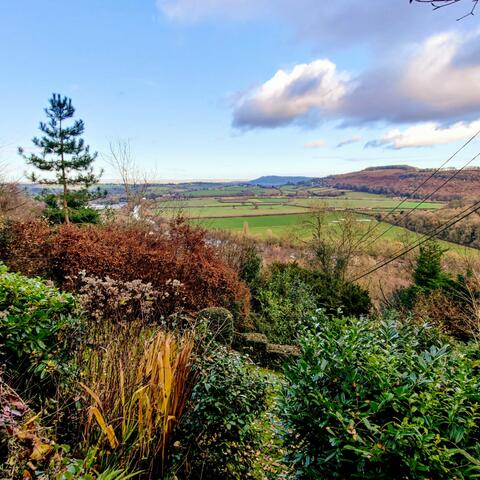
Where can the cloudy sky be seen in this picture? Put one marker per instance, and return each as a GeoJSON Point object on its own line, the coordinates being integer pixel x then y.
{"type": "Point", "coordinates": [241, 88]}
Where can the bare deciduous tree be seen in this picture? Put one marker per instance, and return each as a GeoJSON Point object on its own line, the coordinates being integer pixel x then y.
{"type": "Point", "coordinates": [134, 181]}
{"type": "Point", "coordinates": [12, 199]}
{"type": "Point", "coordinates": [335, 243]}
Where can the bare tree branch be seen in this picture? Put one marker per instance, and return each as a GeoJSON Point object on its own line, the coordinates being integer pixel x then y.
{"type": "Point", "coordinates": [135, 181]}
{"type": "Point", "coordinates": [437, 4]}
{"type": "Point", "coordinates": [12, 199]}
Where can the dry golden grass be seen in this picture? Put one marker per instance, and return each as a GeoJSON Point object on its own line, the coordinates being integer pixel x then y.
{"type": "Point", "coordinates": [136, 385]}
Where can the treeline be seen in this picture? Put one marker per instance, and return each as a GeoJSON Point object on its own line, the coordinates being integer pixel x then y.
{"type": "Point", "coordinates": [445, 185]}
{"type": "Point", "coordinates": [398, 192]}
{"type": "Point", "coordinates": [465, 232]}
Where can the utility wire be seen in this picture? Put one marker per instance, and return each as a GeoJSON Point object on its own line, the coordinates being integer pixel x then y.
{"type": "Point", "coordinates": [418, 205]}
{"type": "Point", "coordinates": [369, 232]}
{"type": "Point", "coordinates": [441, 228]}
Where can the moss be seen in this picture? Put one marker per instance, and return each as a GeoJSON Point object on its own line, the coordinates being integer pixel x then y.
{"type": "Point", "coordinates": [278, 354]}
{"type": "Point", "coordinates": [266, 354]}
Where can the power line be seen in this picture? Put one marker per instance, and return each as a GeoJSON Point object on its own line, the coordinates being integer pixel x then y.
{"type": "Point", "coordinates": [409, 195]}
{"type": "Point", "coordinates": [418, 205]}
{"type": "Point", "coordinates": [473, 209]}
{"type": "Point", "coordinates": [417, 243]}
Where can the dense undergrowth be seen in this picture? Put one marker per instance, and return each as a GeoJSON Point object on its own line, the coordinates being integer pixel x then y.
{"type": "Point", "coordinates": [117, 362]}
{"type": "Point", "coordinates": [382, 400]}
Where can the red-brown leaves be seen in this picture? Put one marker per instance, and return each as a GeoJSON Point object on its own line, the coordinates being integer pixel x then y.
{"type": "Point", "coordinates": [129, 253]}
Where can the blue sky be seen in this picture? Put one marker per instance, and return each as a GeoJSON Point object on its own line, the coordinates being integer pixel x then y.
{"type": "Point", "coordinates": [234, 89]}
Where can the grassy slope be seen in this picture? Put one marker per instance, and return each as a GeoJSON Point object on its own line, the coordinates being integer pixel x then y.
{"type": "Point", "coordinates": [295, 228]}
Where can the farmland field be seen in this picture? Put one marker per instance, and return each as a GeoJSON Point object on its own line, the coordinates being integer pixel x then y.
{"type": "Point", "coordinates": [262, 226]}
{"type": "Point", "coordinates": [231, 206]}
{"type": "Point", "coordinates": [296, 228]}
{"type": "Point", "coordinates": [285, 225]}
{"type": "Point", "coordinates": [231, 210]}
{"type": "Point", "coordinates": [284, 212]}
{"type": "Point", "coordinates": [365, 203]}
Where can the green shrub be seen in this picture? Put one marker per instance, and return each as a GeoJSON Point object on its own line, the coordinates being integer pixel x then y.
{"type": "Point", "coordinates": [217, 437]}
{"type": "Point", "coordinates": [218, 322]}
{"type": "Point", "coordinates": [284, 301]}
{"type": "Point", "coordinates": [428, 273]}
{"type": "Point", "coordinates": [381, 401]}
{"type": "Point", "coordinates": [76, 215]}
{"type": "Point", "coordinates": [250, 264]}
{"type": "Point", "coordinates": [449, 303]}
{"type": "Point", "coordinates": [290, 294]}
{"type": "Point", "coordinates": [78, 209]}
{"type": "Point", "coordinates": [37, 328]}
{"type": "Point", "coordinates": [334, 295]}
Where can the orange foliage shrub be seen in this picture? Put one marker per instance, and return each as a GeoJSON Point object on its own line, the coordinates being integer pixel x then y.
{"type": "Point", "coordinates": [24, 246]}
{"type": "Point", "coordinates": [127, 253]}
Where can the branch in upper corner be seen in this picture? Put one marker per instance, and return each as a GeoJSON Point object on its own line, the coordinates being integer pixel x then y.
{"type": "Point", "coordinates": [437, 4]}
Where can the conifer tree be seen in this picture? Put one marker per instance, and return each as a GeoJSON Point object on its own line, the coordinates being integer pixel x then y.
{"type": "Point", "coordinates": [62, 152]}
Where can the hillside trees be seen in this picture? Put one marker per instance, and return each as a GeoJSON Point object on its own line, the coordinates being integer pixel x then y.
{"type": "Point", "coordinates": [334, 245]}
{"type": "Point", "coordinates": [438, 298]}
{"type": "Point", "coordinates": [64, 154]}
{"type": "Point", "coordinates": [466, 232]}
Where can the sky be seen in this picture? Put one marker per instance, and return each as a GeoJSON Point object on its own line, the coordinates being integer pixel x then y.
{"type": "Point", "coordinates": [236, 89]}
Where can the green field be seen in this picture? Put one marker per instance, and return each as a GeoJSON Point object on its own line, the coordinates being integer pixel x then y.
{"type": "Point", "coordinates": [231, 190]}
{"type": "Point", "coordinates": [283, 225]}
{"type": "Point", "coordinates": [264, 213]}
{"type": "Point", "coordinates": [220, 202]}
{"type": "Point", "coordinates": [364, 203]}
{"type": "Point", "coordinates": [256, 206]}
{"type": "Point", "coordinates": [242, 211]}
{"type": "Point", "coordinates": [262, 226]}
{"type": "Point", "coordinates": [296, 228]}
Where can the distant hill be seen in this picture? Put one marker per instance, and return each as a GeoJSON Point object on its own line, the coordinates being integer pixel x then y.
{"type": "Point", "coordinates": [401, 180]}
{"type": "Point", "coordinates": [278, 181]}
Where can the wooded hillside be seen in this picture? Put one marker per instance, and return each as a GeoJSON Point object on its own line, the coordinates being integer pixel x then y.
{"type": "Point", "coordinates": [403, 180]}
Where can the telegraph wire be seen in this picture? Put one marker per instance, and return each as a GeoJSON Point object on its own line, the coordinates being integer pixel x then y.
{"type": "Point", "coordinates": [441, 228]}
{"type": "Point", "coordinates": [409, 195]}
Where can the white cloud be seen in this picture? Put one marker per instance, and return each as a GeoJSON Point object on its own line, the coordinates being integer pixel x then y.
{"type": "Point", "coordinates": [349, 141]}
{"type": "Point", "coordinates": [292, 95]}
{"type": "Point", "coordinates": [439, 82]}
{"type": "Point", "coordinates": [316, 144]}
{"type": "Point", "coordinates": [426, 135]}
{"type": "Point", "coordinates": [434, 78]}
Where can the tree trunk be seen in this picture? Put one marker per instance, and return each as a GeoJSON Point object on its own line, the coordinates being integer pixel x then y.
{"type": "Point", "coordinates": [65, 191]}
{"type": "Point", "coordinates": [64, 180]}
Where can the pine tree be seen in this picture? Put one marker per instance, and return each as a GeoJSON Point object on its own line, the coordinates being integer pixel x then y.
{"type": "Point", "coordinates": [62, 152]}
{"type": "Point", "coordinates": [428, 273]}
